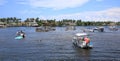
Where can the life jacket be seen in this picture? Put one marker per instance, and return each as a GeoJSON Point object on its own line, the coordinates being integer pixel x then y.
{"type": "Point", "coordinates": [87, 40]}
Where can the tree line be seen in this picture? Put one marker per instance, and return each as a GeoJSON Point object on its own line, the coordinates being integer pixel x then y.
{"type": "Point", "coordinates": [54, 22]}
{"type": "Point", "coordinates": [66, 22]}
{"type": "Point", "coordinates": [10, 19]}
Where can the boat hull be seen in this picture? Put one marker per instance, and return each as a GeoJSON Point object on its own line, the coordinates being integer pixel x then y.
{"type": "Point", "coordinates": [18, 37]}
{"type": "Point", "coordinates": [83, 45]}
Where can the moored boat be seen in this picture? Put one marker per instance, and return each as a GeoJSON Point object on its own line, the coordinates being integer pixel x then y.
{"type": "Point", "coordinates": [113, 28]}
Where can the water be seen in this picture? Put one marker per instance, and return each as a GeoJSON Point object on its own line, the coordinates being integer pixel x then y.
{"type": "Point", "coordinates": [57, 46]}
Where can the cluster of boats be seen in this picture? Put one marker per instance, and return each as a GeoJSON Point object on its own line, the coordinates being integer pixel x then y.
{"type": "Point", "coordinates": [45, 29]}
{"type": "Point", "coordinates": [100, 29]}
{"type": "Point", "coordinates": [78, 39]}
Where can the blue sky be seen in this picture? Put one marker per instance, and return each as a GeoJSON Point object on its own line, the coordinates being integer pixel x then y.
{"type": "Point", "coordinates": [86, 10]}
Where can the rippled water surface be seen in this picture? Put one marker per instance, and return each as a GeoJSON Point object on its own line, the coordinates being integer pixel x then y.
{"type": "Point", "coordinates": [57, 45]}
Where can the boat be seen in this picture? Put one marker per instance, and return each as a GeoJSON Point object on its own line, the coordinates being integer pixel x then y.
{"type": "Point", "coordinates": [78, 41]}
{"type": "Point", "coordinates": [18, 37]}
{"type": "Point", "coordinates": [99, 29]}
{"type": "Point", "coordinates": [45, 29]}
{"type": "Point", "coordinates": [88, 30]}
{"type": "Point", "coordinates": [113, 28]}
{"type": "Point", "coordinates": [41, 29]}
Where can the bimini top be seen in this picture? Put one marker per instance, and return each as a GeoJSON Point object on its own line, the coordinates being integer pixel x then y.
{"type": "Point", "coordinates": [81, 34]}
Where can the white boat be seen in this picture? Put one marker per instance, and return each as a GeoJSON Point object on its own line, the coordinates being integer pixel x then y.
{"type": "Point", "coordinates": [45, 29]}
{"type": "Point", "coordinates": [99, 29]}
{"type": "Point", "coordinates": [88, 30]}
{"type": "Point", "coordinates": [78, 41]}
{"type": "Point", "coordinates": [113, 28]}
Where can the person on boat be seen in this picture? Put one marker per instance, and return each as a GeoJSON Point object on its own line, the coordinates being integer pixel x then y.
{"type": "Point", "coordinates": [86, 40]}
{"type": "Point", "coordinates": [18, 33]}
{"type": "Point", "coordinates": [21, 33]}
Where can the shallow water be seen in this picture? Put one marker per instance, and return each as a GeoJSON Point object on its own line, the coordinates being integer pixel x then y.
{"type": "Point", "coordinates": [57, 45]}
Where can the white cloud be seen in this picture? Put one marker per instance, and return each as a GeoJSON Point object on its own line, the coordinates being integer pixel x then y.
{"type": "Point", "coordinates": [55, 4]}
{"type": "Point", "coordinates": [29, 12]}
{"type": "Point", "coordinates": [21, 2]}
{"type": "Point", "coordinates": [2, 2]}
{"type": "Point", "coordinates": [99, 0]}
{"type": "Point", "coordinates": [112, 14]}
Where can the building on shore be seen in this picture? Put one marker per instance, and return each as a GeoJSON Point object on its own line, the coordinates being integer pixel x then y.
{"type": "Point", "coordinates": [2, 25]}
{"type": "Point", "coordinates": [31, 22]}
{"type": "Point", "coordinates": [70, 26]}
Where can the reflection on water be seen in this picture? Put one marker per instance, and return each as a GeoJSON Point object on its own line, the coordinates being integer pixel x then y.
{"type": "Point", "coordinates": [57, 46]}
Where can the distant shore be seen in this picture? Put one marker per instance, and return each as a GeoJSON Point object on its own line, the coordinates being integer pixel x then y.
{"type": "Point", "coordinates": [36, 22]}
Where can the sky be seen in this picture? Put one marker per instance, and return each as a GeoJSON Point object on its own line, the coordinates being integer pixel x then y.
{"type": "Point", "coordinates": [86, 10]}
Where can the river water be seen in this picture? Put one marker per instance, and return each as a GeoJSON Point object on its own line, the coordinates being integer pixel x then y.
{"type": "Point", "coordinates": [57, 45]}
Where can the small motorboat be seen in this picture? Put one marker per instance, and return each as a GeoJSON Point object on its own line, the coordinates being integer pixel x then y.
{"type": "Point", "coordinates": [99, 29]}
{"type": "Point", "coordinates": [88, 30]}
{"type": "Point", "coordinates": [18, 37]}
{"type": "Point", "coordinates": [78, 40]}
{"type": "Point", "coordinates": [113, 28]}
